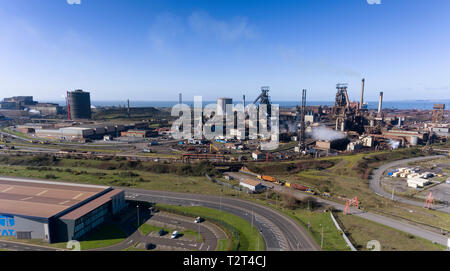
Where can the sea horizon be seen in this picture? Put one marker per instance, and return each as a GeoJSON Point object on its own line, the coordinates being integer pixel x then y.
{"type": "Point", "coordinates": [406, 104]}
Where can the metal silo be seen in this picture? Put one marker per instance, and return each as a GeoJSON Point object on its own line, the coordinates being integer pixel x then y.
{"type": "Point", "coordinates": [79, 103]}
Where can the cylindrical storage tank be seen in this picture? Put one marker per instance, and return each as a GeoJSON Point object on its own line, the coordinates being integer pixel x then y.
{"type": "Point", "coordinates": [414, 140]}
{"type": "Point", "coordinates": [79, 104]}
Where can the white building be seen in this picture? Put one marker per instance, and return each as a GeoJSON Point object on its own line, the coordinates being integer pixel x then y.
{"type": "Point", "coordinates": [252, 185]}
{"type": "Point", "coordinates": [417, 182]}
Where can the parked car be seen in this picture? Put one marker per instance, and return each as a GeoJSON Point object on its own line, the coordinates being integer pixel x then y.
{"type": "Point", "coordinates": [150, 246]}
{"type": "Point", "coordinates": [161, 232]}
{"type": "Point", "coordinates": [198, 220]}
{"type": "Point", "coordinates": [174, 235]}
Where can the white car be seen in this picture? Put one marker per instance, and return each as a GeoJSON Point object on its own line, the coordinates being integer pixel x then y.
{"type": "Point", "coordinates": [198, 220]}
{"type": "Point", "coordinates": [174, 235]}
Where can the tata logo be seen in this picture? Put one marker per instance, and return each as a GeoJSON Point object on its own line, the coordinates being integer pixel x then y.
{"type": "Point", "coordinates": [6, 225]}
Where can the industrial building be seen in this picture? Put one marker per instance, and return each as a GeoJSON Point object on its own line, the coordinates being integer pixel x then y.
{"type": "Point", "coordinates": [252, 185]}
{"type": "Point", "coordinates": [79, 105]}
{"type": "Point", "coordinates": [67, 133]}
{"type": "Point", "coordinates": [54, 211]}
{"type": "Point", "coordinates": [47, 108]}
{"type": "Point", "coordinates": [139, 133]}
{"type": "Point", "coordinates": [17, 102]}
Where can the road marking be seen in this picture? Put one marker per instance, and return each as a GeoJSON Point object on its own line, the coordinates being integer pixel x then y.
{"type": "Point", "coordinates": [77, 196]}
{"type": "Point", "coordinates": [64, 202]}
{"type": "Point", "coordinates": [27, 198]}
{"type": "Point", "coordinates": [42, 193]}
{"type": "Point", "coordinates": [7, 189]}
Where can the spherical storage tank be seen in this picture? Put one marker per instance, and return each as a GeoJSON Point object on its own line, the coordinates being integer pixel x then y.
{"type": "Point", "coordinates": [79, 104]}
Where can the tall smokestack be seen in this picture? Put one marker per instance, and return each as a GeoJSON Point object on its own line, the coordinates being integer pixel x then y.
{"type": "Point", "coordinates": [180, 98]}
{"type": "Point", "coordinates": [128, 108]}
{"type": "Point", "coordinates": [243, 98]}
{"type": "Point", "coordinates": [362, 93]}
{"type": "Point", "coordinates": [380, 103]}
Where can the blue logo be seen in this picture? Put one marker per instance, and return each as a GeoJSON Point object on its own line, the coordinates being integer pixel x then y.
{"type": "Point", "coordinates": [7, 224]}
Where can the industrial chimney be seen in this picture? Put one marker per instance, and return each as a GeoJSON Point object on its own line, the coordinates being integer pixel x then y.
{"type": "Point", "coordinates": [180, 98]}
{"type": "Point", "coordinates": [380, 103]}
{"type": "Point", "coordinates": [243, 97]}
{"type": "Point", "coordinates": [362, 93]}
{"type": "Point", "coordinates": [128, 108]}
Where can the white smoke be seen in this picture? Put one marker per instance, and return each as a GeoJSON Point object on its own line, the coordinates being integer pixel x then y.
{"type": "Point", "coordinates": [394, 144]}
{"type": "Point", "coordinates": [34, 112]}
{"type": "Point", "coordinates": [325, 133]}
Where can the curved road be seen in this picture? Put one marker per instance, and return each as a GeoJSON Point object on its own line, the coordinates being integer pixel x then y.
{"type": "Point", "coordinates": [377, 175]}
{"type": "Point", "coordinates": [280, 232]}
{"type": "Point", "coordinates": [393, 223]}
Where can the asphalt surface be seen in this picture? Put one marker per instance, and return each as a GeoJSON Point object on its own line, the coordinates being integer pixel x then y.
{"type": "Point", "coordinates": [280, 232]}
{"type": "Point", "coordinates": [377, 175]}
{"type": "Point", "coordinates": [399, 225]}
{"type": "Point", "coordinates": [128, 224]}
{"type": "Point", "coordinates": [13, 246]}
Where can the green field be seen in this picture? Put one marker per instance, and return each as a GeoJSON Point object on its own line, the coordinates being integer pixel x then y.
{"type": "Point", "coordinates": [105, 236]}
{"type": "Point", "coordinates": [249, 238]}
{"type": "Point", "coordinates": [222, 245]}
{"type": "Point", "coordinates": [110, 173]}
{"type": "Point", "coordinates": [360, 231]}
{"type": "Point", "coordinates": [346, 179]}
{"type": "Point", "coordinates": [145, 229]}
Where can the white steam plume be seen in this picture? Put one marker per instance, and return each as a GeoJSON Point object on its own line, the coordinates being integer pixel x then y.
{"type": "Point", "coordinates": [325, 133]}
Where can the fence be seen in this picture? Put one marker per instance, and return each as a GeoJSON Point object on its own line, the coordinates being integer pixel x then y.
{"type": "Point", "coordinates": [349, 244]}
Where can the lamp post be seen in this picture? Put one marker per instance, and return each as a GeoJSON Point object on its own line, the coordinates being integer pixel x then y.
{"type": "Point", "coordinates": [137, 207]}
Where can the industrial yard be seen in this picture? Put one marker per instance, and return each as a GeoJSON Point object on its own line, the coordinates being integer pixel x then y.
{"type": "Point", "coordinates": [186, 126]}
{"type": "Point", "coordinates": [325, 153]}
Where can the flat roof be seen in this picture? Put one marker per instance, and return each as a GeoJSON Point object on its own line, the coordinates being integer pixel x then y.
{"type": "Point", "coordinates": [42, 198]}
{"type": "Point", "coordinates": [92, 205]}
{"type": "Point", "coordinates": [251, 182]}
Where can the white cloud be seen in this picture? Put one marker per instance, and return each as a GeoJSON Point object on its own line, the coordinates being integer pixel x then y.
{"type": "Point", "coordinates": [165, 28]}
{"type": "Point", "coordinates": [236, 28]}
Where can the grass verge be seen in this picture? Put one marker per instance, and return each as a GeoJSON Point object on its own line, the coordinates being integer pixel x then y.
{"type": "Point", "coordinates": [248, 238]}
{"type": "Point", "coordinates": [360, 231]}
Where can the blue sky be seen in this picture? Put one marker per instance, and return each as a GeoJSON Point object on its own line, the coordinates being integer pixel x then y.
{"type": "Point", "coordinates": [154, 49]}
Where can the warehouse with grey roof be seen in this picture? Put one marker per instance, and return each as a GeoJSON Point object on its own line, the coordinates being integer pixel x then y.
{"type": "Point", "coordinates": [55, 211]}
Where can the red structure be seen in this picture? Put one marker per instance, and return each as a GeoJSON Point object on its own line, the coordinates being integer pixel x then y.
{"type": "Point", "coordinates": [429, 202]}
{"type": "Point", "coordinates": [351, 203]}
